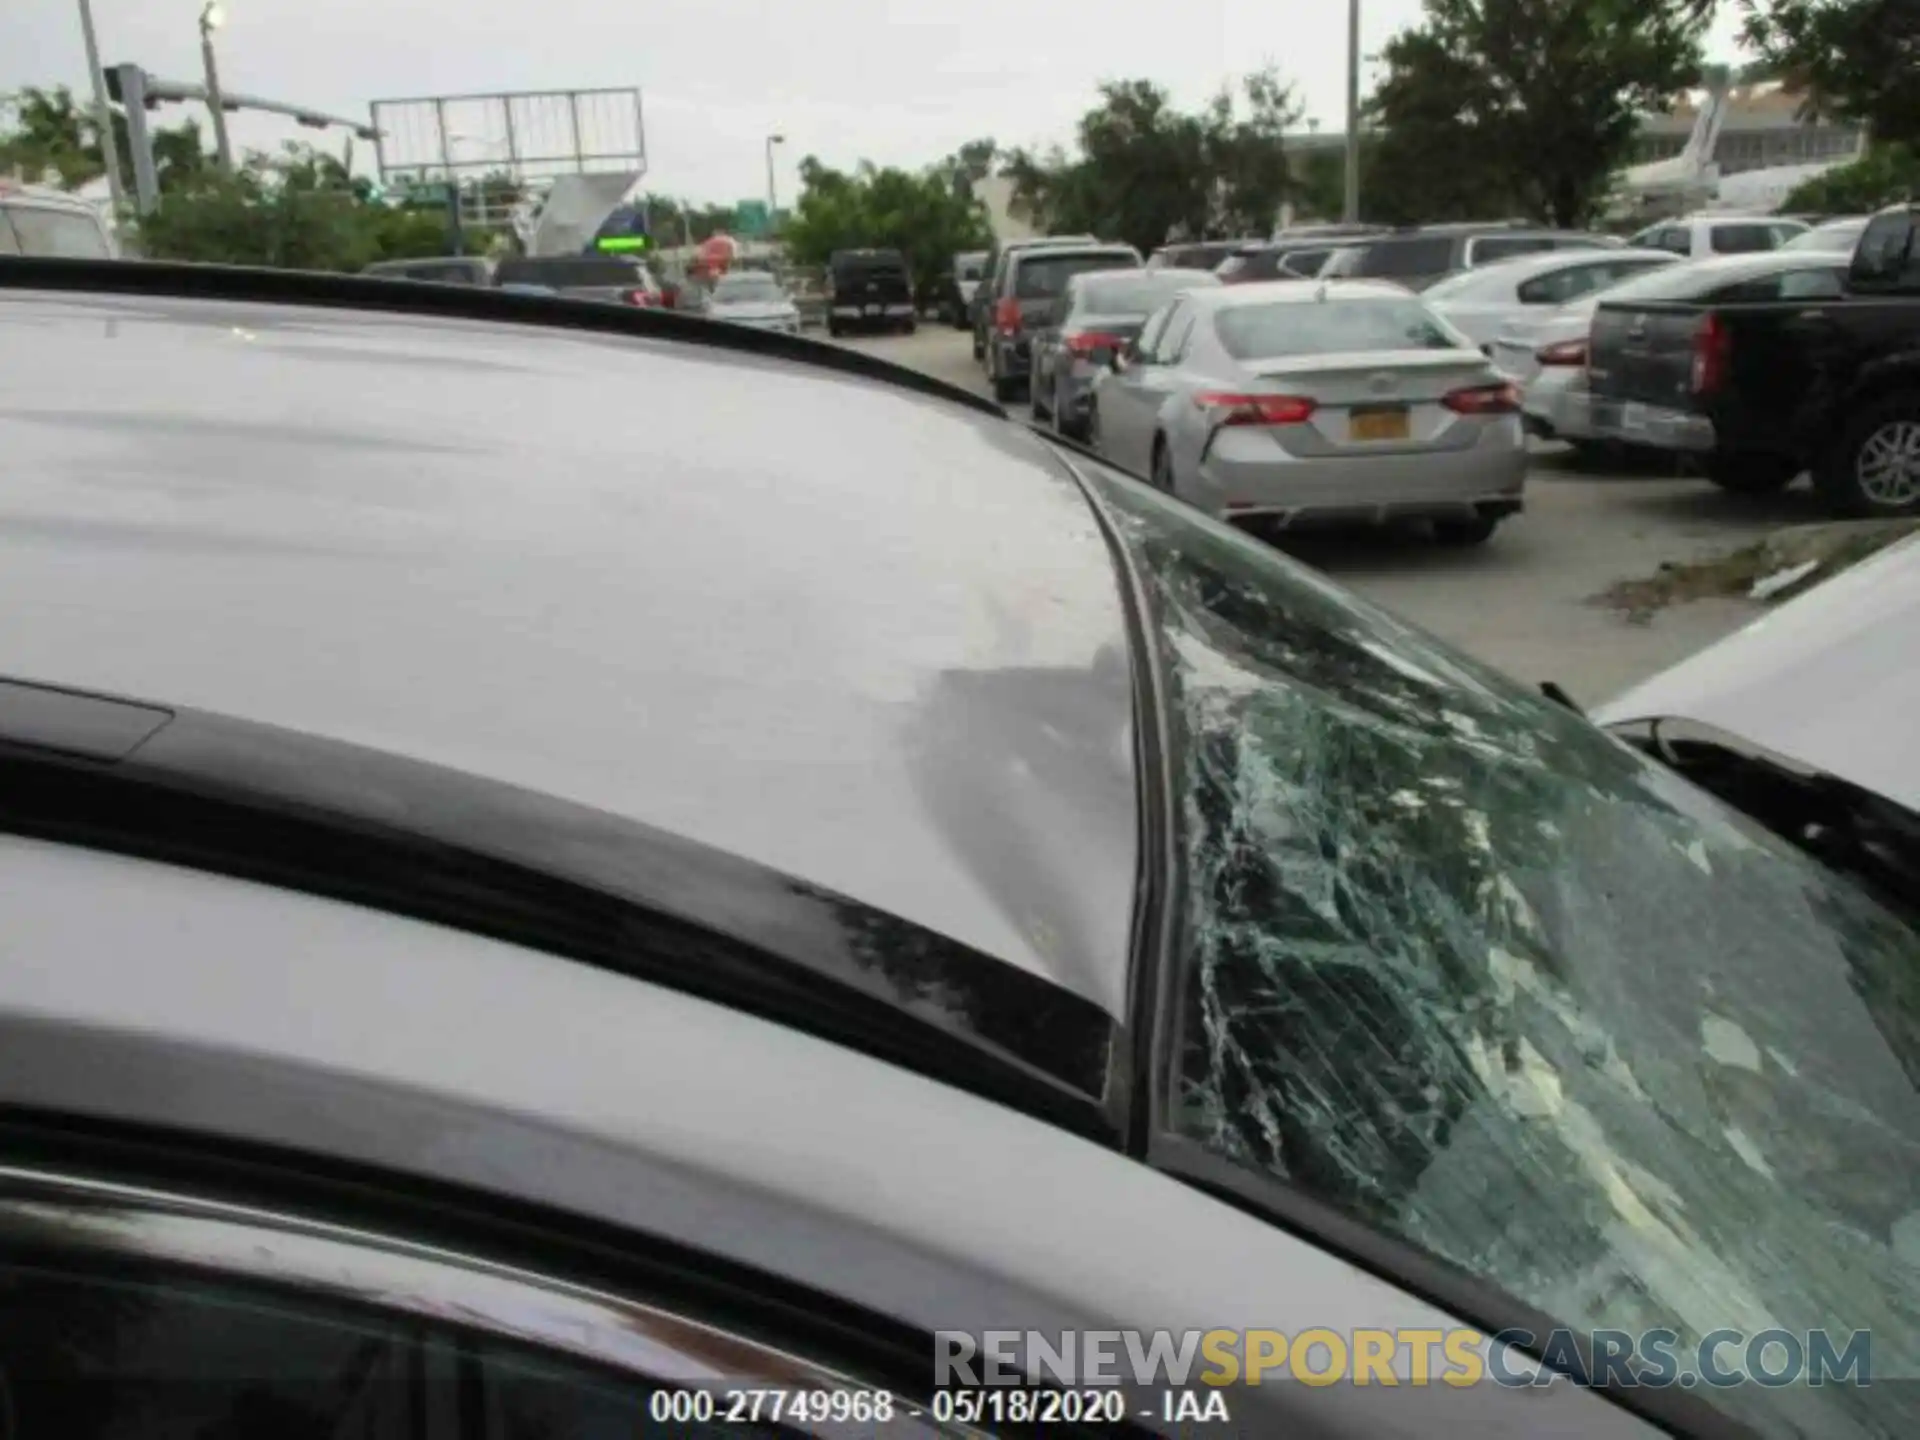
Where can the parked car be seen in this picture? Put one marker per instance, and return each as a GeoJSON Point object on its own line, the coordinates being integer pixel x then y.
{"type": "Point", "coordinates": [1838, 236]}
{"type": "Point", "coordinates": [1714, 233]}
{"type": "Point", "coordinates": [1804, 719]}
{"type": "Point", "coordinates": [504, 920]}
{"type": "Point", "coordinates": [613, 279]}
{"type": "Point", "coordinates": [871, 290]}
{"type": "Point", "coordinates": [440, 270]}
{"type": "Point", "coordinates": [1771, 378]}
{"type": "Point", "coordinates": [755, 298]}
{"type": "Point", "coordinates": [1276, 260]}
{"type": "Point", "coordinates": [1030, 280]}
{"type": "Point", "coordinates": [1546, 355]}
{"type": "Point", "coordinates": [994, 270]}
{"type": "Point", "coordinates": [1481, 303]}
{"type": "Point", "coordinates": [969, 269]}
{"type": "Point", "coordinates": [1421, 255]}
{"type": "Point", "coordinates": [1343, 401]}
{"type": "Point", "coordinates": [40, 220]}
{"type": "Point", "coordinates": [1196, 254]}
{"type": "Point", "coordinates": [1097, 314]}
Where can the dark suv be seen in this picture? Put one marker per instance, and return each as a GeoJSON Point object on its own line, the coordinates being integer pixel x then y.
{"type": "Point", "coordinates": [980, 311]}
{"type": "Point", "coordinates": [1417, 258]}
{"type": "Point", "coordinates": [869, 290]}
{"type": "Point", "coordinates": [1030, 280]}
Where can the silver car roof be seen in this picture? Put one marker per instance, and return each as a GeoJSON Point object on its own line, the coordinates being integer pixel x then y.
{"type": "Point", "coordinates": [850, 639]}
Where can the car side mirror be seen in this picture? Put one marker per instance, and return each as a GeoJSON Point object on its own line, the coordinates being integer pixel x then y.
{"type": "Point", "coordinates": [1120, 360]}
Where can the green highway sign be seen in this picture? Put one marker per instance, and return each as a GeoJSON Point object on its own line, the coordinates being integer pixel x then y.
{"type": "Point", "coordinates": [750, 219]}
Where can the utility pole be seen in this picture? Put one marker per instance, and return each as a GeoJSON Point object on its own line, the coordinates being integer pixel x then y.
{"type": "Point", "coordinates": [773, 202]}
{"type": "Point", "coordinates": [102, 112]}
{"type": "Point", "coordinates": [212, 16]}
{"type": "Point", "coordinates": [1352, 214]}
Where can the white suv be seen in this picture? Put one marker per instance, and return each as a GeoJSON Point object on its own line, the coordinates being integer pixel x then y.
{"type": "Point", "coordinates": [1696, 236]}
{"type": "Point", "coordinates": [36, 220]}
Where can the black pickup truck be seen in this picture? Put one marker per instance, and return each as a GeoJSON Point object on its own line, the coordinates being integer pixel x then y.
{"type": "Point", "coordinates": [1759, 380]}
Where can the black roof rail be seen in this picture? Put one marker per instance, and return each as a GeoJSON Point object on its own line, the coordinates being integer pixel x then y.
{"type": "Point", "coordinates": [464, 302]}
{"type": "Point", "coordinates": [325, 817]}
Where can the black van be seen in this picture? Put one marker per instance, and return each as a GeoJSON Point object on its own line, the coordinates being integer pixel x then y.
{"type": "Point", "coordinates": [870, 290]}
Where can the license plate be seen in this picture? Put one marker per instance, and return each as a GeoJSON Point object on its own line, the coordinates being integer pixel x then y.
{"type": "Point", "coordinates": [1634, 418]}
{"type": "Point", "coordinates": [1391, 424]}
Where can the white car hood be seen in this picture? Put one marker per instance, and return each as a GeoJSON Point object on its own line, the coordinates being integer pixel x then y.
{"type": "Point", "coordinates": [1830, 681]}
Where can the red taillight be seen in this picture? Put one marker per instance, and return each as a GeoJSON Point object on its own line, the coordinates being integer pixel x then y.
{"type": "Point", "coordinates": [1712, 355]}
{"type": "Point", "coordinates": [1484, 400]}
{"type": "Point", "coordinates": [1256, 409]}
{"type": "Point", "coordinates": [1567, 352]}
{"type": "Point", "coordinates": [639, 297]}
{"type": "Point", "coordinates": [1006, 317]}
{"type": "Point", "coordinates": [1093, 344]}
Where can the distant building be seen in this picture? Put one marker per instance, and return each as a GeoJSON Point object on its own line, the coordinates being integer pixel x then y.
{"type": "Point", "coordinates": [1763, 129]}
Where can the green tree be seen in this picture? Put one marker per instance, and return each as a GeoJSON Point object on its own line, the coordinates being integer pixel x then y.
{"type": "Point", "coordinates": [924, 216]}
{"type": "Point", "coordinates": [1884, 175]}
{"type": "Point", "coordinates": [1856, 59]}
{"type": "Point", "coordinates": [298, 210]}
{"type": "Point", "coordinates": [1492, 106]}
{"type": "Point", "coordinates": [1146, 172]}
{"type": "Point", "coordinates": [49, 137]}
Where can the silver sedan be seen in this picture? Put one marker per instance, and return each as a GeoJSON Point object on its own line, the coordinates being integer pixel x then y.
{"type": "Point", "coordinates": [1321, 400]}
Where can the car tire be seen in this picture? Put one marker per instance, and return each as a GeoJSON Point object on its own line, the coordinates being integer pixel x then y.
{"type": "Point", "coordinates": [1466, 533]}
{"type": "Point", "coordinates": [979, 350]}
{"type": "Point", "coordinates": [1090, 428]}
{"type": "Point", "coordinates": [836, 329]}
{"type": "Point", "coordinates": [1873, 470]}
{"type": "Point", "coordinates": [1743, 474]}
{"type": "Point", "coordinates": [1006, 389]}
{"type": "Point", "coordinates": [910, 327]}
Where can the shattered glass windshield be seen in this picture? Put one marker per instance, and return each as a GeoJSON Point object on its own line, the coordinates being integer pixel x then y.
{"type": "Point", "coordinates": [1503, 988]}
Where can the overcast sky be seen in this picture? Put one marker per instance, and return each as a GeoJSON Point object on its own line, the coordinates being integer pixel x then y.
{"type": "Point", "coordinates": [893, 81]}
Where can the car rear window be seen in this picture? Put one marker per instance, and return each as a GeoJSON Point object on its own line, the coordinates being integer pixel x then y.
{"type": "Point", "coordinates": [1404, 259]}
{"type": "Point", "coordinates": [1140, 295]}
{"type": "Point", "coordinates": [970, 269]}
{"type": "Point", "coordinates": [1043, 275]}
{"type": "Point", "coordinates": [1331, 327]}
{"type": "Point", "coordinates": [48, 230]}
{"type": "Point", "coordinates": [1490, 248]}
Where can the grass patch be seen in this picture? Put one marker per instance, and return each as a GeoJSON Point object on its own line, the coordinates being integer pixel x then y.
{"type": "Point", "coordinates": [1828, 548]}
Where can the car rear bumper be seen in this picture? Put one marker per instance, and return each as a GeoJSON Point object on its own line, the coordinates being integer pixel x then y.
{"type": "Point", "coordinates": [1657, 426]}
{"type": "Point", "coordinates": [1555, 406]}
{"type": "Point", "coordinates": [1487, 479]}
{"type": "Point", "coordinates": [1012, 358]}
{"type": "Point", "coordinates": [1075, 391]}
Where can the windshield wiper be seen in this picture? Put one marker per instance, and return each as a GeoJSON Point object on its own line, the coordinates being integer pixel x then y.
{"type": "Point", "coordinates": [1845, 827]}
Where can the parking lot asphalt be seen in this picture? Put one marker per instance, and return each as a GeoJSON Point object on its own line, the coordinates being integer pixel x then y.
{"type": "Point", "coordinates": [1525, 601]}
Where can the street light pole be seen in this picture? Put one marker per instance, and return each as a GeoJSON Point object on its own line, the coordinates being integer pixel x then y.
{"type": "Point", "coordinates": [1352, 215]}
{"type": "Point", "coordinates": [773, 206]}
{"type": "Point", "coordinates": [212, 17]}
{"type": "Point", "coordinates": [102, 112]}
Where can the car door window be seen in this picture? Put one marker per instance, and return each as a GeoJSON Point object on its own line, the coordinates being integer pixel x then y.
{"type": "Point", "coordinates": [1887, 253]}
{"type": "Point", "coordinates": [127, 1314]}
{"type": "Point", "coordinates": [1676, 239]}
{"type": "Point", "coordinates": [1487, 249]}
{"type": "Point", "coordinates": [1560, 286]}
{"type": "Point", "coordinates": [1179, 334]}
{"type": "Point", "coordinates": [1151, 332]}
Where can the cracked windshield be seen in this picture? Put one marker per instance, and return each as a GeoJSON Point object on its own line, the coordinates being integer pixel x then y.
{"type": "Point", "coordinates": [1254, 670]}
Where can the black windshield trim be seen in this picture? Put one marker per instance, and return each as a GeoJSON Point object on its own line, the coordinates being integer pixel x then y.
{"type": "Point", "coordinates": [318, 815]}
{"type": "Point", "coordinates": [1154, 995]}
{"type": "Point", "coordinates": [1447, 1287]}
{"type": "Point", "coordinates": [460, 302]}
